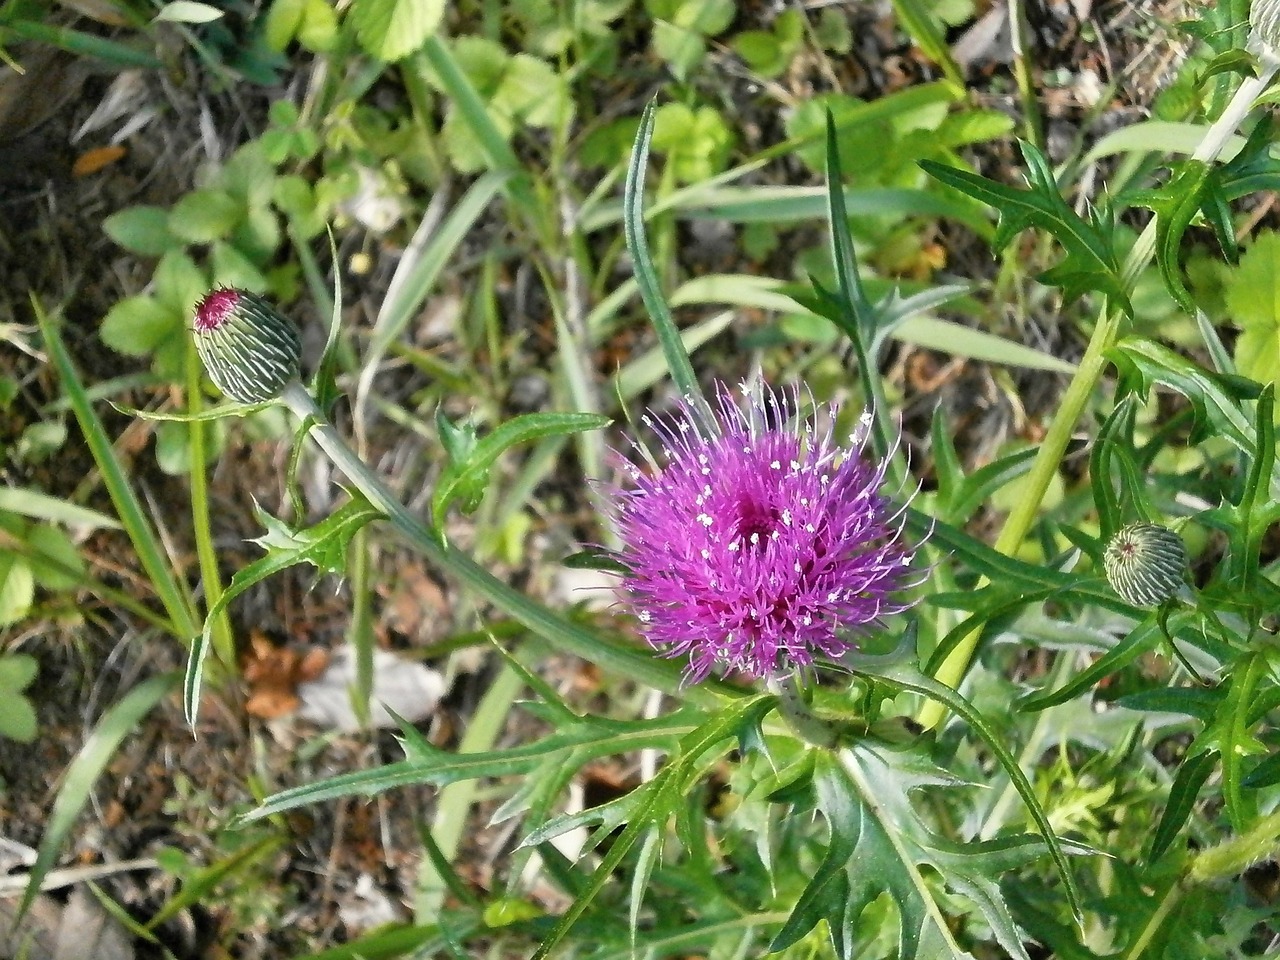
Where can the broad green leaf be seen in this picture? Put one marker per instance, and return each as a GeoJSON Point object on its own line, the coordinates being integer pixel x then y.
{"type": "Point", "coordinates": [282, 23]}
{"type": "Point", "coordinates": [1253, 299]}
{"type": "Point", "coordinates": [534, 92]}
{"type": "Point", "coordinates": [17, 715]}
{"type": "Point", "coordinates": [18, 721]}
{"type": "Point", "coordinates": [17, 670]}
{"type": "Point", "coordinates": [136, 326]}
{"type": "Point", "coordinates": [178, 283]}
{"type": "Point", "coordinates": [231, 268]}
{"type": "Point", "coordinates": [1090, 262]}
{"type": "Point", "coordinates": [56, 562]}
{"type": "Point", "coordinates": [17, 588]}
{"type": "Point", "coordinates": [696, 143]}
{"type": "Point", "coordinates": [142, 230]}
{"type": "Point", "coordinates": [319, 30]}
{"type": "Point", "coordinates": [203, 216]}
{"type": "Point", "coordinates": [392, 29]}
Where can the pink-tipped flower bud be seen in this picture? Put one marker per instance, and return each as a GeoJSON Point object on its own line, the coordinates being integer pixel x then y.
{"type": "Point", "coordinates": [248, 349]}
{"type": "Point", "coordinates": [1146, 564]}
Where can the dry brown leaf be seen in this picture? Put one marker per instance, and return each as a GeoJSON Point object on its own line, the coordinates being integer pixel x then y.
{"type": "Point", "coordinates": [273, 674]}
{"type": "Point", "coordinates": [104, 11]}
{"type": "Point", "coordinates": [91, 161]}
{"type": "Point", "coordinates": [414, 604]}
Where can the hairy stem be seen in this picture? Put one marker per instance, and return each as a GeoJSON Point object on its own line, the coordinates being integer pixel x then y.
{"type": "Point", "coordinates": [565, 635]}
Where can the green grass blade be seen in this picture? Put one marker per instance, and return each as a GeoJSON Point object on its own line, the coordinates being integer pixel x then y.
{"type": "Point", "coordinates": [78, 781]}
{"type": "Point", "coordinates": [84, 44]}
{"type": "Point", "coordinates": [207, 557]}
{"type": "Point", "coordinates": [855, 315]}
{"type": "Point", "coordinates": [475, 114]}
{"type": "Point", "coordinates": [918, 22]}
{"type": "Point", "coordinates": [146, 544]}
{"type": "Point", "coordinates": [647, 277]}
{"type": "Point", "coordinates": [418, 281]}
{"type": "Point", "coordinates": [41, 506]}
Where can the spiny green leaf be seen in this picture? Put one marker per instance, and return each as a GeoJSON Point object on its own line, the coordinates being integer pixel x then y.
{"type": "Point", "coordinates": [1188, 192]}
{"type": "Point", "coordinates": [898, 669]}
{"type": "Point", "coordinates": [1195, 770]}
{"type": "Point", "coordinates": [878, 844]}
{"type": "Point", "coordinates": [585, 740]}
{"type": "Point", "coordinates": [1215, 397]}
{"type": "Point", "coordinates": [324, 546]}
{"type": "Point", "coordinates": [1090, 262]}
{"type": "Point", "coordinates": [467, 474]}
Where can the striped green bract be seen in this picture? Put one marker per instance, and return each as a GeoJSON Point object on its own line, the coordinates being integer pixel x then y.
{"type": "Point", "coordinates": [1146, 564]}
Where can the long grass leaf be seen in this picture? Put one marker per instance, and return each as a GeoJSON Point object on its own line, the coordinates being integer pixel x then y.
{"type": "Point", "coordinates": [116, 724]}
{"type": "Point", "coordinates": [647, 277]}
{"type": "Point", "coordinates": [144, 539]}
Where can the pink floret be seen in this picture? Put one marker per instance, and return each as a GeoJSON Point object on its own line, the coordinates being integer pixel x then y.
{"type": "Point", "coordinates": [763, 548]}
{"type": "Point", "coordinates": [213, 310]}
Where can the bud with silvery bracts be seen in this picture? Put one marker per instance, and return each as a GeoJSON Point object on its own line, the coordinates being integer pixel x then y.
{"type": "Point", "coordinates": [1146, 564]}
{"type": "Point", "coordinates": [249, 350]}
{"type": "Point", "coordinates": [1264, 27]}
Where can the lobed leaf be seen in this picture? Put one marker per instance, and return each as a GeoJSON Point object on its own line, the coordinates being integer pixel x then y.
{"type": "Point", "coordinates": [466, 476]}
{"type": "Point", "coordinates": [392, 29]}
{"type": "Point", "coordinates": [324, 546]}
{"type": "Point", "coordinates": [1090, 262]}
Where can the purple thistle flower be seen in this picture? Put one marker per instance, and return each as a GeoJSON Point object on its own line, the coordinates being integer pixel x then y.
{"type": "Point", "coordinates": [763, 547]}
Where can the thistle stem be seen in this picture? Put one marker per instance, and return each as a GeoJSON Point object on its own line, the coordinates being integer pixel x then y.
{"type": "Point", "coordinates": [1089, 372]}
{"type": "Point", "coordinates": [563, 634]}
{"type": "Point", "coordinates": [794, 709]}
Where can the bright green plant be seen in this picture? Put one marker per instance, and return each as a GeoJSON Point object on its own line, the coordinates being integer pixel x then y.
{"type": "Point", "coordinates": [681, 29]}
{"type": "Point", "coordinates": [17, 715]}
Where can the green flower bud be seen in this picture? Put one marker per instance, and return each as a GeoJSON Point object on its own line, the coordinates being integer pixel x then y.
{"type": "Point", "coordinates": [1146, 564]}
{"type": "Point", "coordinates": [248, 349]}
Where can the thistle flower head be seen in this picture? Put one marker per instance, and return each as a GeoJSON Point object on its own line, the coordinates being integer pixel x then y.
{"type": "Point", "coordinates": [762, 547]}
{"type": "Point", "coordinates": [1145, 564]}
{"type": "Point", "coordinates": [248, 349]}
